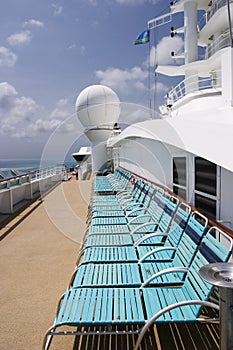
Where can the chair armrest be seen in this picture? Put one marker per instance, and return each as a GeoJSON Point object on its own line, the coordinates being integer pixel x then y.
{"type": "Point", "coordinates": [164, 272]}
{"type": "Point", "coordinates": [139, 207]}
{"type": "Point", "coordinates": [149, 235]}
{"type": "Point", "coordinates": [154, 251]}
{"type": "Point", "coordinates": [149, 223]}
{"type": "Point", "coordinates": [139, 217]}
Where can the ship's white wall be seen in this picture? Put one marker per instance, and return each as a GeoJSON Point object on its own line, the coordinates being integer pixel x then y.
{"type": "Point", "coordinates": [153, 161]}
{"type": "Point", "coordinates": [227, 76]}
{"type": "Point", "coordinates": [150, 159]}
{"type": "Point", "coordinates": [99, 156]}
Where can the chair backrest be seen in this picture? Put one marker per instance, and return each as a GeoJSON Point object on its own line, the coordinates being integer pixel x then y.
{"type": "Point", "coordinates": [170, 207]}
{"type": "Point", "coordinates": [211, 250]}
{"type": "Point", "coordinates": [137, 191]}
{"type": "Point", "coordinates": [178, 224]}
{"type": "Point", "coordinates": [157, 205]}
{"type": "Point", "coordinates": [191, 239]}
{"type": "Point", "coordinates": [149, 192]}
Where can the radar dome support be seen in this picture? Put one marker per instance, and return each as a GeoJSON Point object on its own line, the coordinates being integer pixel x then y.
{"type": "Point", "coordinates": [98, 109]}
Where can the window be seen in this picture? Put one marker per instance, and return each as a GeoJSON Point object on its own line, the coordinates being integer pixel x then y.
{"type": "Point", "coordinates": [205, 176]}
{"type": "Point", "coordinates": [207, 205]}
{"type": "Point", "coordinates": [179, 176]}
{"type": "Point", "coordinates": [206, 186]}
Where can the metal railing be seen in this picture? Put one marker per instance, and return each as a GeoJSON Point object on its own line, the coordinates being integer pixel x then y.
{"type": "Point", "coordinates": [194, 84]}
{"type": "Point", "coordinates": [219, 43]}
{"type": "Point", "coordinates": [32, 176]}
{"type": "Point", "coordinates": [216, 5]}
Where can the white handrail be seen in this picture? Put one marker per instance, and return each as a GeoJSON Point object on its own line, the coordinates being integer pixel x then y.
{"type": "Point", "coordinates": [31, 176]}
{"type": "Point", "coordinates": [193, 84]}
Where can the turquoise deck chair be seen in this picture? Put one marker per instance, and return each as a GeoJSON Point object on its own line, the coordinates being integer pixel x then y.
{"type": "Point", "coordinates": [100, 306]}
{"type": "Point", "coordinates": [119, 201]}
{"type": "Point", "coordinates": [102, 184]}
{"type": "Point", "coordinates": [111, 237]}
{"type": "Point", "coordinates": [184, 254]}
{"type": "Point", "coordinates": [122, 199]}
{"type": "Point", "coordinates": [153, 273]}
{"type": "Point", "coordinates": [171, 234]}
{"type": "Point", "coordinates": [119, 220]}
{"type": "Point", "coordinates": [191, 238]}
{"type": "Point", "coordinates": [153, 212]}
{"type": "Point", "coordinates": [173, 273]}
{"type": "Point", "coordinates": [193, 232]}
{"type": "Point", "coordinates": [114, 238]}
{"type": "Point", "coordinates": [128, 209]}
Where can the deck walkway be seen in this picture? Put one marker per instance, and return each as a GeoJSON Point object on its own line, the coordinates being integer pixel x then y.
{"type": "Point", "coordinates": [36, 262]}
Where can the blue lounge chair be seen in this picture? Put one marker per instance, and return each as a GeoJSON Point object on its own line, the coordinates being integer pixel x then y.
{"type": "Point", "coordinates": [152, 273]}
{"type": "Point", "coordinates": [131, 306]}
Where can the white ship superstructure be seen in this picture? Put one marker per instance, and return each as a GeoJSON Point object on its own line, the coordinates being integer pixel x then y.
{"type": "Point", "coordinates": [189, 149]}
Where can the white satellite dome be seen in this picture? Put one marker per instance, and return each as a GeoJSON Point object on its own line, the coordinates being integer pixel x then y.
{"type": "Point", "coordinates": [98, 106]}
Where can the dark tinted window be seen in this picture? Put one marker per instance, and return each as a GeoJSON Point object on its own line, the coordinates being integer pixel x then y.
{"type": "Point", "coordinates": [180, 192]}
{"type": "Point", "coordinates": [206, 205]}
{"type": "Point", "coordinates": [205, 176]}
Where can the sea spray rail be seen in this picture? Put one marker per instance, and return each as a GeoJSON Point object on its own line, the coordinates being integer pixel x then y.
{"type": "Point", "coordinates": [20, 188]}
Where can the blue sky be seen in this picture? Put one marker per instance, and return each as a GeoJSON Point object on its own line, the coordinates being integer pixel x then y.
{"type": "Point", "coordinates": [51, 50]}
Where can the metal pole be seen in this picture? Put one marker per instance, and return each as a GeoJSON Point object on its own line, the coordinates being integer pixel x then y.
{"type": "Point", "coordinates": [221, 275]}
{"type": "Point", "coordinates": [226, 325]}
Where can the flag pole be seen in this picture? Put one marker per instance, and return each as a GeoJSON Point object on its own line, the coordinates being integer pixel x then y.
{"type": "Point", "coordinates": [150, 107]}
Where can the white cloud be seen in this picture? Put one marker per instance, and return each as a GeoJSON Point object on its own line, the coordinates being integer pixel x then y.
{"type": "Point", "coordinates": [93, 2]}
{"type": "Point", "coordinates": [160, 87]}
{"type": "Point", "coordinates": [136, 2]}
{"type": "Point", "coordinates": [122, 80]}
{"type": "Point", "coordinates": [161, 54]}
{"type": "Point", "coordinates": [7, 57]}
{"type": "Point", "coordinates": [20, 38]}
{"type": "Point", "coordinates": [33, 23]}
{"type": "Point", "coordinates": [41, 125]}
{"type": "Point", "coordinates": [166, 46]}
{"type": "Point", "coordinates": [83, 50]}
{"type": "Point", "coordinates": [14, 110]}
{"type": "Point", "coordinates": [21, 117]}
{"type": "Point", "coordinates": [57, 9]}
{"type": "Point", "coordinates": [61, 111]}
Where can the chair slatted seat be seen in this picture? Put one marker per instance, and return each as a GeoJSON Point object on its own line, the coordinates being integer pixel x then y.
{"type": "Point", "coordinates": [106, 275]}
{"type": "Point", "coordinates": [108, 240]}
{"type": "Point", "coordinates": [108, 254]}
{"type": "Point", "coordinates": [108, 221]}
{"type": "Point", "coordinates": [108, 229]}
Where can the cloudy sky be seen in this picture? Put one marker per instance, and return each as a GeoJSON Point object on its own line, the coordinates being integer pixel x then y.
{"type": "Point", "coordinates": [51, 50]}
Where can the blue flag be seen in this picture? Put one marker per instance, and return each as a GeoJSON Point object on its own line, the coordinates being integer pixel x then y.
{"type": "Point", "coordinates": [143, 38]}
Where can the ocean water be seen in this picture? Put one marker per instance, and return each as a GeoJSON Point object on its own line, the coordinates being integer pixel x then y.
{"type": "Point", "coordinates": [11, 167]}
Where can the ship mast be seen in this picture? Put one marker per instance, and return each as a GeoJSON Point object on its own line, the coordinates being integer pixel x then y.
{"type": "Point", "coordinates": [190, 43]}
